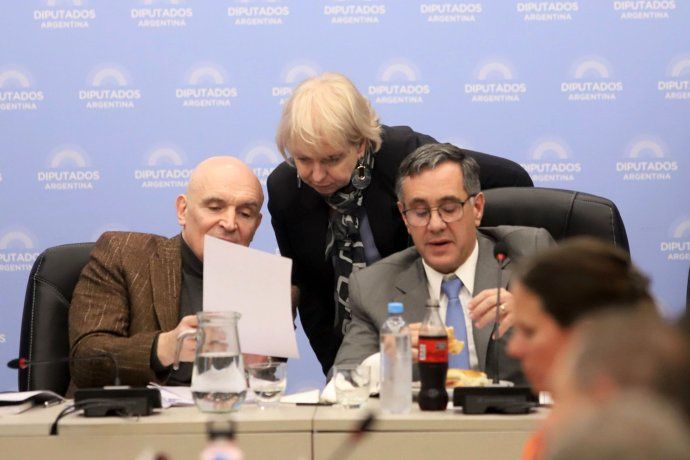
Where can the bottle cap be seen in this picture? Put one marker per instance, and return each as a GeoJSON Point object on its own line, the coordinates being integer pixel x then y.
{"type": "Point", "coordinates": [395, 308]}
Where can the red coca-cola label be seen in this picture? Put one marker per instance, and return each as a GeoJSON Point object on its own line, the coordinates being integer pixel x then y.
{"type": "Point", "coordinates": [433, 349]}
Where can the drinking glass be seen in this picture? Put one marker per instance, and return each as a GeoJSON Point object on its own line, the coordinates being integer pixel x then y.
{"type": "Point", "coordinates": [267, 381]}
{"type": "Point", "coordinates": [351, 383]}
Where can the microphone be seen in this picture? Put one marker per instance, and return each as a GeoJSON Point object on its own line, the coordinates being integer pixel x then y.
{"type": "Point", "coordinates": [346, 448]}
{"type": "Point", "coordinates": [500, 254]}
{"type": "Point", "coordinates": [99, 402]}
{"type": "Point", "coordinates": [496, 398]}
{"type": "Point", "coordinates": [23, 363]}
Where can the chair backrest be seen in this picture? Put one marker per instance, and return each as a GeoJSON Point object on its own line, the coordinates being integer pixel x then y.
{"type": "Point", "coordinates": [45, 335]}
{"type": "Point", "coordinates": [564, 213]}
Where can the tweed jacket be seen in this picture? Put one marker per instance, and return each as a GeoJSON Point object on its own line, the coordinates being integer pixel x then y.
{"type": "Point", "coordinates": [127, 293]}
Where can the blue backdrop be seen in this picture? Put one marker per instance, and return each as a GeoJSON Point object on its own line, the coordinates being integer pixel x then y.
{"type": "Point", "coordinates": [105, 106]}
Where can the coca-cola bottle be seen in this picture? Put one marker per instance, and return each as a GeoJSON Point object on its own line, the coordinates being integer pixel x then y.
{"type": "Point", "coordinates": [433, 359]}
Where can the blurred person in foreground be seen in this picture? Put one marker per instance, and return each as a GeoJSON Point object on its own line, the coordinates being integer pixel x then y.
{"type": "Point", "coordinates": [562, 285]}
{"type": "Point", "coordinates": [452, 260]}
{"type": "Point", "coordinates": [557, 288]}
{"type": "Point", "coordinates": [633, 425]}
{"type": "Point", "coordinates": [614, 351]}
{"type": "Point", "coordinates": [333, 201]}
{"type": "Point", "coordinates": [139, 291]}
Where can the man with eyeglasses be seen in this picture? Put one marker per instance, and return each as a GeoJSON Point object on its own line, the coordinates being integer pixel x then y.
{"type": "Point", "coordinates": [452, 260]}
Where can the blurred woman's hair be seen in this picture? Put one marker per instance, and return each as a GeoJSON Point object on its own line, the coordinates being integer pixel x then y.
{"type": "Point", "coordinates": [584, 275]}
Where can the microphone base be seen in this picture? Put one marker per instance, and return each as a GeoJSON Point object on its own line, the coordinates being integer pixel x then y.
{"type": "Point", "coordinates": [102, 402]}
{"type": "Point", "coordinates": [494, 400]}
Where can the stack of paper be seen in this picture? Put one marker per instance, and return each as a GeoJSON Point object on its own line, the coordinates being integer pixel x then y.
{"type": "Point", "coordinates": [18, 401]}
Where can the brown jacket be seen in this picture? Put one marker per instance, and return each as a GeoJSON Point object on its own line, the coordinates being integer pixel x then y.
{"type": "Point", "coordinates": [127, 293]}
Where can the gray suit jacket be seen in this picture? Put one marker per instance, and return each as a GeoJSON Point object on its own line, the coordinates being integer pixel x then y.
{"type": "Point", "coordinates": [401, 278]}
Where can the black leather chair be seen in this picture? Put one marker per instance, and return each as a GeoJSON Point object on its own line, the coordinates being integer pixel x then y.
{"type": "Point", "coordinates": [44, 335]}
{"type": "Point", "coordinates": [564, 213]}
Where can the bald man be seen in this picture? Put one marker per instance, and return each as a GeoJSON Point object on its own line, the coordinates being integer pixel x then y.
{"type": "Point", "coordinates": [139, 291]}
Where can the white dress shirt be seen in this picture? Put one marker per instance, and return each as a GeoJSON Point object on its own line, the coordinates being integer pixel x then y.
{"type": "Point", "coordinates": [466, 274]}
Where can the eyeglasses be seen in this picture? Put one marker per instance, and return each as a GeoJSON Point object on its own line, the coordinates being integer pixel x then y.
{"type": "Point", "coordinates": [450, 211]}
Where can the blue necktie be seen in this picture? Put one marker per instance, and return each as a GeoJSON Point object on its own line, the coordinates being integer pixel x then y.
{"type": "Point", "coordinates": [456, 318]}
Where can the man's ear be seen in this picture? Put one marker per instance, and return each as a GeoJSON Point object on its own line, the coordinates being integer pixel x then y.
{"type": "Point", "coordinates": [181, 206]}
{"type": "Point", "coordinates": [401, 208]}
{"type": "Point", "coordinates": [478, 208]}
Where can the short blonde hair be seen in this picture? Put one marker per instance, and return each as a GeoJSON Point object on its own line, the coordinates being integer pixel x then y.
{"type": "Point", "coordinates": [327, 109]}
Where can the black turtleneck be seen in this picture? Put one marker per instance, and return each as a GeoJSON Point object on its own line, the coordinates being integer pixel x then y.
{"type": "Point", "coordinates": [192, 282]}
{"type": "Point", "coordinates": [191, 297]}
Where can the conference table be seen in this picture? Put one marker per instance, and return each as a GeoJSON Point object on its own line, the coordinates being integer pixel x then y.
{"type": "Point", "coordinates": [285, 432]}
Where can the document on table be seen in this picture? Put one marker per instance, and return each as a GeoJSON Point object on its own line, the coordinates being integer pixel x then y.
{"type": "Point", "coordinates": [174, 396]}
{"type": "Point", "coordinates": [16, 402]}
{"type": "Point", "coordinates": [255, 284]}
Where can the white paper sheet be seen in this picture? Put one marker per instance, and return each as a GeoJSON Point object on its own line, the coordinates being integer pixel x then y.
{"type": "Point", "coordinates": [17, 397]}
{"type": "Point", "coordinates": [174, 396]}
{"type": "Point", "coordinates": [303, 397]}
{"type": "Point", "coordinates": [257, 285]}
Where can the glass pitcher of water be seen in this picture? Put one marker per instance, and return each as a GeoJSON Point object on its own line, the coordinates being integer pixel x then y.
{"type": "Point", "coordinates": [218, 380]}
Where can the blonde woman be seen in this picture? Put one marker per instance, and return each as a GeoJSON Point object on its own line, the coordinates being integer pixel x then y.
{"type": "Point", "coordinates": [333, 202]}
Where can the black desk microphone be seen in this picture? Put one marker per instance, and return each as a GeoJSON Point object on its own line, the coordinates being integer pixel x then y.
{"type": "Point", "coordinates": [99, 402]}
{"type": "Point", "coordinates": [500, 254]}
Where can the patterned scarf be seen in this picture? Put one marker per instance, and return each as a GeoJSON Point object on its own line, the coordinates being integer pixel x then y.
{"type": "Point", "coordinates": [343, 241]}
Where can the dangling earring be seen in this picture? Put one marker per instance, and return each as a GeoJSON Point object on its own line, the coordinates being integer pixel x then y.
{"type": "Point", "coordinates": [361, 176]}
{"type": "Point", "coordinates": [299, 181]}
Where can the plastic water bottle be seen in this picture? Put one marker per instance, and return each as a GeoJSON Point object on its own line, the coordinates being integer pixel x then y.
{"type": "Point", "coordinates": [396, 362]}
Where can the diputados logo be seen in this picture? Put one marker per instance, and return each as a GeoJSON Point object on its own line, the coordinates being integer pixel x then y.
{"type": "Point", "coordinates": [109, 87]}
{"type": "Point", "coordinates": [591, 79]}
{"type": "Point", "coordinates": [17, 93]}
{"type": "Point", "coordinates": [206, 86]}
{"type": "Point", "coordinates": [164, 168]}
{"type": "Point", "coordinates": [447, 12]}
{"type": "Point", "coordinates": [17, 251]}
{"type": "Point", "coordinates": [644, 10]}
{"type": "Point", "coordinates": [64, 14]}
{"type": "Point", "coordinates": [495, 82]}
{"type": "Point", "coordinates": [646, 161]}
{"type": "Point", "coordinates": [262, 158]}
{"type": "Point", "coordinates": [677, 85]}
{"type": "Point", "coordinates": [161, 13]}
{"type": "Point", "coordinates": [551, 162]}
{"type": "Point", "coordinates": [3, 338]}
{"type": "Point", "coordinates": [291, 76]}
{"type": "Point", "coordinates": [549, 11]}
{"type": "Point", "coordinates": [68, 169]}
{"type": "Point", "coordinates": [678, 246]}
{"type": "Point", "coordinates": [354, 12]}
{"type": "Point", "coordinates": [399, 83]}
{"type": "Point", "coordinates": [258, 13]}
